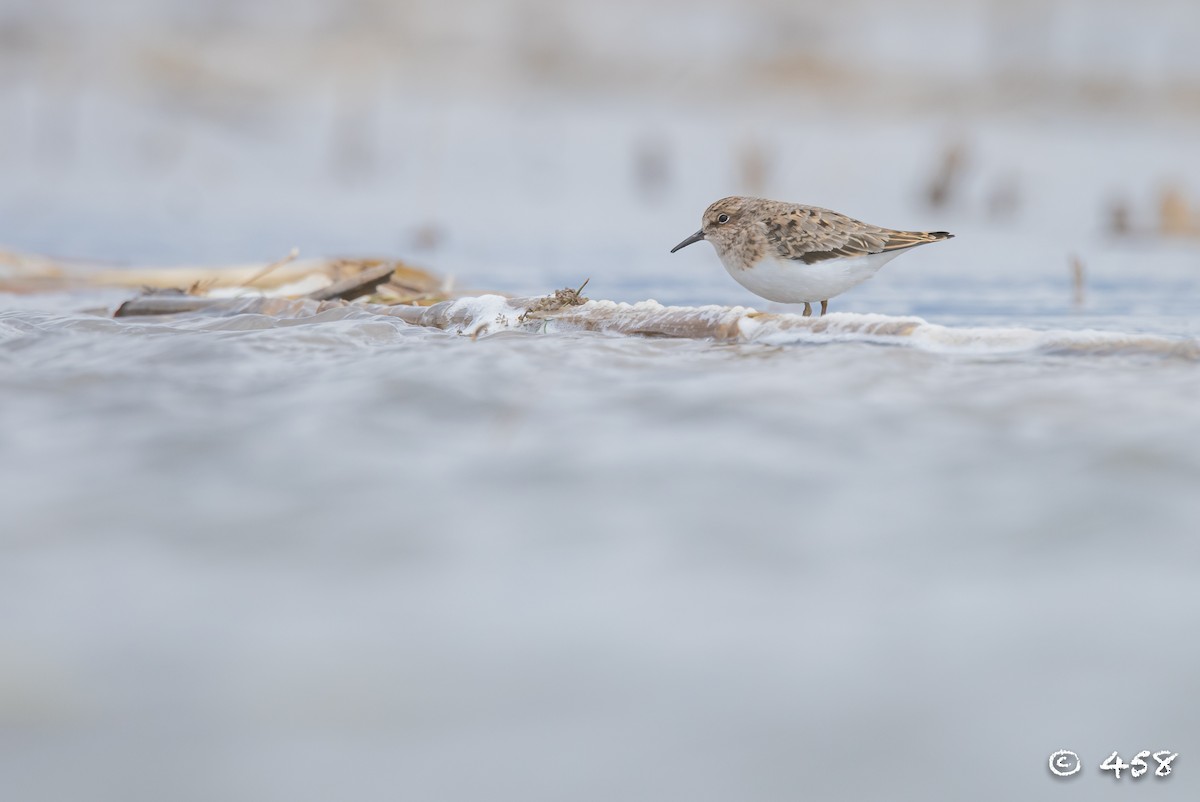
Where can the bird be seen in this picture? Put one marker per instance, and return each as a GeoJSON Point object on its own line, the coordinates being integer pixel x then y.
{"type": "Point", "coordinates": [792, 253]}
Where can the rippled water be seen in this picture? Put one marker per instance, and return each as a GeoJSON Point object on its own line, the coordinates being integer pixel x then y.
{"type": "Point", "coordinates": [340, 557]}
{"type": "Point", "coordinates": [259, 559]}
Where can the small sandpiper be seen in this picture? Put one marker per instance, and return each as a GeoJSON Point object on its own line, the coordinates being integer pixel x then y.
{"type": "Point", "coordinates": [793, 254]}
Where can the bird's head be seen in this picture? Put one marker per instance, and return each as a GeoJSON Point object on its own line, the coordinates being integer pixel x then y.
{"type": "Point", "coordinates": [720, 223]}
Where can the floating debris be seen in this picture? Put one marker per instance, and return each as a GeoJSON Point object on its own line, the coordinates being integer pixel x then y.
{"type": "Point", "coordinates": [565, 311]}
{"type": "Point", "coordinates": [558, 300]}
{"type": "Point", "coordinates": [392, 289]}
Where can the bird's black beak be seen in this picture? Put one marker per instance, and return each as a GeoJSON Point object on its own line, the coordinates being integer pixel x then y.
{"type": "Point", "coordinates": [699, 235]}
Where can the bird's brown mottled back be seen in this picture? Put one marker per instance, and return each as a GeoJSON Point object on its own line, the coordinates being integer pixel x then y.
{"type": "Point", "coordinates": [808, 234]}
{"type": "Point", "coordinates": [791, 253]}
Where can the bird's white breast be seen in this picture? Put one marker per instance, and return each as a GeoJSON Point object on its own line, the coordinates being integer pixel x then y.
{"type": "Point", "coordinates": [791, 281]}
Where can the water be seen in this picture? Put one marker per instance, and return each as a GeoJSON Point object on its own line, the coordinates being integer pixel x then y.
{"type": "Point", "coordinates": [351, 554]}
{"type": "Point", "coordinates": [340, 556]}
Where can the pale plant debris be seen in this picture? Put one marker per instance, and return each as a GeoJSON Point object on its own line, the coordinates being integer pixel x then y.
{"type": "Point", "coordinates": [292, 255]}
{"type": "Point", "coordinates": [402, 282]}
{"type": "Point", "coordinates": [556, 300]}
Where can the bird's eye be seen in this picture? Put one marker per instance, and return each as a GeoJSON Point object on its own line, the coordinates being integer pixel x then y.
{"type": "Point", "coordinates": [722, 218]}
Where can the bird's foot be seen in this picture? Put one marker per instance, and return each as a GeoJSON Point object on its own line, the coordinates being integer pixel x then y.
{"type": "Point", "coordinates": [807, 309]}
{"type": "Point", "coordinates": [824, 307]}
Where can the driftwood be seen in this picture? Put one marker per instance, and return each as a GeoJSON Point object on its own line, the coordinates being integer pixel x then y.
{"type": "Point", "coordinates": [329, 278]}
{"type": "Point", "coordinates": [167, 303]}
{"type": "Point", "coordinates": [365, 283]}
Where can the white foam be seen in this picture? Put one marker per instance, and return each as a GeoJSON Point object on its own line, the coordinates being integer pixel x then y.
{"type": "Point", "coordinates": [747, 325]}
{"type": "Point", "coordinates": [485, 314]}
{"type": "Point", "coordinates": [919, 333]}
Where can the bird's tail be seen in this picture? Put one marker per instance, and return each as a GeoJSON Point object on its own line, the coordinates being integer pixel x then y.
{"type": "Point", "coordinates": [898, 240]}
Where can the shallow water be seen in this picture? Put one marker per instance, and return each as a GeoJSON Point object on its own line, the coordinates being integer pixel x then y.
{"type": "Point", "coordinates": [343, 554]}
{"type": "Point", "coordinates": [342, 557]}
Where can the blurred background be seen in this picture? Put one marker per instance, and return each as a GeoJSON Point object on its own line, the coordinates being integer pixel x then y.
{"type": "Point", "coordinates": [515, 143]}
{"type": "Point", "coordinates": [342, 557]}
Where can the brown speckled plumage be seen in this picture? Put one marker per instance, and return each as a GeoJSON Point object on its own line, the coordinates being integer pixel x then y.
{"type": "Point", "coordinates": [746, 231]}
{"type": "Point", "coordinates": [810, 234]}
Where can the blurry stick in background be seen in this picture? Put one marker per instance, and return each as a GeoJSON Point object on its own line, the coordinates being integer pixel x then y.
{"type": "Point", "coordinates": [754, 163]}
{"type": "Point", "coordinates": [652, 167]}
{"type": "Point", "coordinates": [1118, 217]}
{"type": "Point", "coordinates": [947, 175]}
{"type": "Point", "coordinates": [1077, 280]}
{"type": "Point", "coordinates": [1004, 198]}
{"type": "Point", "coordinates": [1175, 214]}
{"type": "Point", "coordinates": [1175, 217]}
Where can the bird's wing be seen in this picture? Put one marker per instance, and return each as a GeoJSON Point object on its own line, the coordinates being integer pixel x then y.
{"type": "Point", "coordinates": [809, 234]}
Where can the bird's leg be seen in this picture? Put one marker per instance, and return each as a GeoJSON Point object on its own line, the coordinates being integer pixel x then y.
{"type": "Point", "coordinates": [807, 309]}
{"type": "Point", "coordinates": [824, 307]}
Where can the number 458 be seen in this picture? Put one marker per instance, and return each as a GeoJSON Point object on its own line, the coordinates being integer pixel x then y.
{"type": "Point", "coordinates": [1137, 767]}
